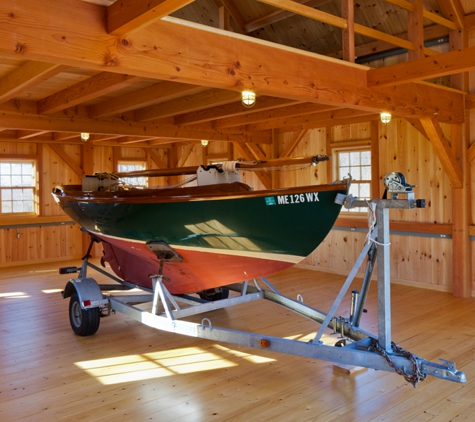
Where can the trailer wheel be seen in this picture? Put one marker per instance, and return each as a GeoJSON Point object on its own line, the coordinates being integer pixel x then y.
{"type": "Point", "coordinates": [84, 322]}
{"type": "Point", "coordinates": [212, 295]}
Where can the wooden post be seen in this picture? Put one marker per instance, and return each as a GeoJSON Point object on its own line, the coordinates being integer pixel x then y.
{"type": "Point", "coordinates": [461, 204]}
{"type": "Point", "coordinates": [87, 164]}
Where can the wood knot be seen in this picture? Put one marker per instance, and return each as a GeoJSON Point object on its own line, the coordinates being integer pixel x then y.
{"type": "Point", "coordinates": [20, 48]}
{"type": "Point", "coordinates": [11, 15]}
{"type": "Point", "coordinates": [125, 42]}
{"type": "Point", "coordinates": [110, 60]}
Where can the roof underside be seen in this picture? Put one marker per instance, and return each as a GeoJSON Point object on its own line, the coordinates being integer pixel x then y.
{"type": "Point", "coordinates": [126, 77]}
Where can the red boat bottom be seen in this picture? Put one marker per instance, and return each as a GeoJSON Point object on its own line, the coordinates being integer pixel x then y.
{"type": "Point", "coordinates": [200, 270]}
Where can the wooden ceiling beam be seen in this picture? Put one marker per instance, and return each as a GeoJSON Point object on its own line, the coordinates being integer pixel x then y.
{"type": "Point", "coordinates": [343, 121]}
{"type": "Point", "coordinates": [231, 110]}
{"type": "Point", "coordinates": [26, 76]}
{"type": "Point", "coordinates": [307, 120]}
{"type": "Point", "coordinates": [443, 151]}
{"type": "Point", "coordinates": [280, 114]}
{"type": "Point", "coordinates": [429, 67]}
{"type": "Point", "coordinates": [341, 23]}
{"type": "Point", "coordinates": [161, 92]}
{"type": "Point", "coordinates": [25, 134]}
{"type": "Point", "coordinates": [93, 87]}
{"type": "Point", "coordinates": [454, 10]}
{"type": "Point", "coordinates": [126, 16]}
{"type": "Point", "coordinates": [434, 17]}
{"type": "Point", "coordinates": [162, 51]}
{"type": "Point", "coordinates": [200, 101]}
{"type": "Point", "coordinates": [118, 127]}
{"type": "Point", "coordinates": [431, 32]}
{"type": "Point", "coordinates": [278, 16]}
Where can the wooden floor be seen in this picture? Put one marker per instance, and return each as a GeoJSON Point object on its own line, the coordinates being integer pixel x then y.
{"type": "Point", "coordinates": [130, 372]}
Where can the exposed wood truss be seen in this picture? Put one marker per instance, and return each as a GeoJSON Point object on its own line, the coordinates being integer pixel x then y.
{"type": "Point", "coordinates": [138, 80]}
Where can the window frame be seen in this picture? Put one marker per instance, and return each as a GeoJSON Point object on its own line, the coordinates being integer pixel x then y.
{"type": "Point", "coordinates": [336, 174]}
{"type": "Point", "coordinates": [131, 162]}
{"type": "Point", "coordinates": [34, 186]}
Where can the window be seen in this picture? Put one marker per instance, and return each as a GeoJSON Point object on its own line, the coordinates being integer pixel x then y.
{"type": "Point", "coordinates": [18, 187]}
{"type": "Point", "coordinates": [357, 163]}
{"type": "Point", "coordinates": [129, 166]}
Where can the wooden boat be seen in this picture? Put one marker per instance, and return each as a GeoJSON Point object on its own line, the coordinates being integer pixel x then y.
{"type": "Point", "coordinates": [208, 235]}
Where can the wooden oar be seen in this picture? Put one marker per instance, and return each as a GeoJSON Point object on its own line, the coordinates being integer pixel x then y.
{"type": "Point", "coordinates": [239, 165]}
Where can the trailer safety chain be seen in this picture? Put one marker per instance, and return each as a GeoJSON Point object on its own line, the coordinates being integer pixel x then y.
{"type": "Point", "coordinates": [413, 379]}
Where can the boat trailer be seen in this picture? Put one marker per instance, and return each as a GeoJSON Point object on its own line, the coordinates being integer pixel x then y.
{"type": "Point", "coordinates": [89, 302]}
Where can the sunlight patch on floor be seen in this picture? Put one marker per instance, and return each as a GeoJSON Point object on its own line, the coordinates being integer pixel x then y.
{"type": "Point", "coordinates": [14, 295]}
{"type": "Point", "coordinates": [153, 365]}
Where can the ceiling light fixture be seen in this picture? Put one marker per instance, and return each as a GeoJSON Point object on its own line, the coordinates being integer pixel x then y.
{"type": "Point", "coordinates": [248, 98]}
{"type": "Point", "coordinates": [204, 142]}
{"type": "Point", "coordinates": [385, 118]}
{"type": "Point", "coordinates": [84, 136]}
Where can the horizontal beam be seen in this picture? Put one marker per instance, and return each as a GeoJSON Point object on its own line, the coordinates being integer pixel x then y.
{"type": "Point", "coordinates": [429, 67]}
{"type": "Point", "coordinates": [119, 127]}
{"type": "Point", "coordinates": [163, 51]}
{"type": "Point", "coordinates": [126, 16]}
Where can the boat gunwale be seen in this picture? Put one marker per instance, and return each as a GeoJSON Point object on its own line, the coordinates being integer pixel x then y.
{"type": "Point", "coordinates": [160, 195]}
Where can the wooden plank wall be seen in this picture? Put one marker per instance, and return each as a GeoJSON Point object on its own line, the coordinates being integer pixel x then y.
{"type": "Point", "coordinates": [416, 258]}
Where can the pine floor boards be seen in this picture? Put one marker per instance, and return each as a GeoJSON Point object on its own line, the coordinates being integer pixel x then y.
{"type": "Point", "coordinates": [137, 373]}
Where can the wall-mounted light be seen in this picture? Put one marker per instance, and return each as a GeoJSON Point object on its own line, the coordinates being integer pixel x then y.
{"type": "Point", "coordinates": [385, 118]}
{"type": "Point", "coordinates": [248, 98]}
{"type": "Point", "coordinates": [84, 136]}
{"type": "Point", "coordinates": [204, 142]}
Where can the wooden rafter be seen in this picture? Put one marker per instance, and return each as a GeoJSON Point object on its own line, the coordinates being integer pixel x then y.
{"type": "Point", "coordinates": [341, 23]}
{"type": "Point", "coordinates": [200, 101]}
{"type": "Point", "coordinates": [161, 92]}
{"type": "Point", "coordinates": [266, 116]}
{"type": "Point", "coordinates": [25, 134]}
{"type": "Point", "coordinates": [364, 118]}
{"type": "Point", "coordinates": [127, 16]}
{"type": "Point", "coordinates": [85, 90]}
{"type": "Point", "coordinates": [277, 16]}
{"type": "Point", "coordinates": [434, 17]}
{"type": "Point", "coordinates": [443, 151]}
{"type": "Point", "coordinates": [431, 32]}
{"type": "Point", "coordinates": [231, 62]}
{"type": "Point", "coordinates": [29, 74]}
{"type": "Point", "coordinates": [428, 67]}
{"type": "Point", "coordinates": [228, 111]}
{"type": "Point", "coordinates": [454, 10]}
{"type": "Point", "coordinates": [308, 120]}
{"type": "Point", "coordinates": [118, 127]}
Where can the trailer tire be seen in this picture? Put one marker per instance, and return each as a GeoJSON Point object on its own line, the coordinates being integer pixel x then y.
{"type": "Point", "coordinates": [84, 322]}
{"type": "Point", "coordinates": [212, 295]}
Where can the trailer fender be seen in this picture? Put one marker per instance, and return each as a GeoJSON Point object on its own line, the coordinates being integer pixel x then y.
{"type": "Point", "coordinates": [88, 291]}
